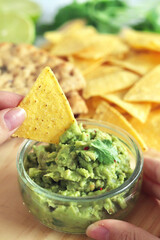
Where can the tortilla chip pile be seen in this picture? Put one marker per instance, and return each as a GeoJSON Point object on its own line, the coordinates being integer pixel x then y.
{"type": "Point", "coordinates": [122, 74]}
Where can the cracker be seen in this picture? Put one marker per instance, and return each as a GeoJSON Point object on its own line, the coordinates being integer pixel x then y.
{"type": "Point", "coordinates": [77, 103]}
{"type": "Point", "coordinates": [21, 64]}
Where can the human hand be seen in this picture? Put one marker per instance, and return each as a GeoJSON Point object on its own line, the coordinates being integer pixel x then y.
{"type": "Point", "coordinates": [11, 116]}
{"type": "Point", "coordinates": [119, 230]}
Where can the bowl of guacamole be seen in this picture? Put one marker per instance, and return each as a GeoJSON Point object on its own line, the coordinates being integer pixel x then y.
{"type": "Point", "coordinates": [93, 173]}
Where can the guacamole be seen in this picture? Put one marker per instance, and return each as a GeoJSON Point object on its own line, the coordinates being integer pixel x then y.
{"type": "Point", "coordinates": [86, 162]}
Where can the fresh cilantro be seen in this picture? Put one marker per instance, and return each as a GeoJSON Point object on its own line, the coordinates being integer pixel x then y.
{"type": "Point", "coordinates": [107, 16]}
{"type": "Point", "coordinates": [106, 152]}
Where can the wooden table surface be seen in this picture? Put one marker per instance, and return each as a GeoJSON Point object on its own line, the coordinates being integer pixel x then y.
{"type": "Point", "coordinates": [16, 223]}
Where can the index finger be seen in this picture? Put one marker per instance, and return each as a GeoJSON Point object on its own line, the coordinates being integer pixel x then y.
{"type": "Point", "coordinates": [9, 100]}
{"type": "Point", "coordinates": [152, 169]}
{"type": "Point", "coordinates": [151, 187]}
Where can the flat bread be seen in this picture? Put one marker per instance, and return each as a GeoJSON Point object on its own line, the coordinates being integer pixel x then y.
{"type": "Point", "coordinates": [21, 64]}
{"type": "Point", "coordinates": [76, 102]}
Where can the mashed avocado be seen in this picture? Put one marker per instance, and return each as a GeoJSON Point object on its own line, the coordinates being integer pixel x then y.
{"type": "Point", "coordinates": [86, 162]}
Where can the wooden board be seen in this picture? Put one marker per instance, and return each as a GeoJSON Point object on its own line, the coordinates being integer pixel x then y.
{"type": "Point", "coordinates": [17, 223]}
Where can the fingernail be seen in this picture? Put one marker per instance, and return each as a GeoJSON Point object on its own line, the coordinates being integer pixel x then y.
{"type": "Point", "coordinates": [97, 232]}
{"type": "Point", "coordinates": [14, 118]}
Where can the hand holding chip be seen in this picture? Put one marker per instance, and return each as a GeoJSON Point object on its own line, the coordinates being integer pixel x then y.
{"type": "Point", "coordinates": [11, 116]}
{"type": "Point", "coordinates": [116, 229]}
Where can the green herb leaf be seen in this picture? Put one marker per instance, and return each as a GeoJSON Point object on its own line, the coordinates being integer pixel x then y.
{"type": "Point", "coordinates": [108, 16]}
{"type": "Point", "coordinates": [105, 150]}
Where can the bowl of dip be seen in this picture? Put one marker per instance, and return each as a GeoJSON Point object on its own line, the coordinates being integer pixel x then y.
{"type": "Point", "coordinates": [94, 173]}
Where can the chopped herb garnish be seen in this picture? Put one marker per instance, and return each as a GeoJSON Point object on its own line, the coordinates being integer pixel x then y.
{"type": "Point", "coordinates": [106, 152]}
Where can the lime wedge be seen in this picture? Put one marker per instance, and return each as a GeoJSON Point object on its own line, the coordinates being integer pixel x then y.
{"type": "Point", "coordinates": [27, 7]}
{"type": "Point", "coordinates": [16, 28]}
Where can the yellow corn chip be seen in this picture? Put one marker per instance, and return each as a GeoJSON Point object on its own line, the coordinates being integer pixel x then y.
{"type": "Point", "coordinates": [107, 79]}
{"type": "Point", "coordinates": [150, 130]}
{"type": "Point", "coordinates": [73, 25]}
{"type": "Point", "coordinates": [92, 104]}
{"type": "Point", "coordinates": [119, 109]}
{"type": "Point", "coordinates": [142, 40]}
{"type": "Point", "coordinates": [48, 111]}
{"type": "Point", "coordinates": [137, 110]}
{"type": "Point", "coordinates": [54, 37]}
{"type": "Point", "coordinates": [86, 65]}
{"type": "Point", "coordinates": [155, 106]}
{"type": "Point", "coordinates": [107, 113]}
{"type": "Point", "coordinates": [104, 45]}
{"type": "Point", "coordinates": [138, 62]}
{"type": "Point", "coordinates": [68, 28]}
{"type": "Point", "coordinates": [147, 89]}
{"type": "Point", "coordinates": [73, 42]}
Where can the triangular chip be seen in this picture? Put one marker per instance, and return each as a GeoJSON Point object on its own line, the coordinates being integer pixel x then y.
{"type": "Point", "coordinates": [147, 89]}
{"type": "Point", "coordinates": [155, 106]}
{"type": "Point", "coordinates": [138, 62]}
{"type": "Point", "coordinates": [150, 130]}
{"type": "Point", "coordinates": [48, 111]}
{"type": "Point", "coordinates": [99, 49]}
{"type": "Point", "coordinates": [86, 65]}
{"type": "Point", "coordinates": [92, 104]}
{"type": "Point", "coordinates": [107, 79]}
{"type": "Point", "coordinates": [107, 113]}
{"type": "Point", "coordinates": [73, 42]}
{"type": "Point", "coordinates": [142, 40]}
{"type": "Point", "coordinates": [137, 110]}
{"type": "Point", "coordinates": [67, 28]}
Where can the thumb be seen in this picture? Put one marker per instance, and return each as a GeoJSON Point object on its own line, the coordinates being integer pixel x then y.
{"type": "Point", "coordinates": [10, 120]}
{"type": "Point", "coordinates": [117, 230]}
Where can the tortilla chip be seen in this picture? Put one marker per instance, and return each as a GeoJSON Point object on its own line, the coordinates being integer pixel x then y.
{"type": "Point", "coordinates": [137, 110]}
{"type": "Point", "coordinates": [155, 106]}
{"type": "Point", "coordinates": [73, 25]}
{"type": "Point", "coordinates": [150, 130]}
{"type": "Point", "coordinates": [107, 79]}
{"type": "Point", "coordinates": [73, 42]}
{"type": "Point", "coordinates": [138, 62]}
{"type": "Point", "coordinates": [54, 37]}
{"type": "Point", "coordinates": [70, 27]}
{"type": "Point", "coordinates": [86, 65]}
{"type": "Point", "coordinates": [147, 89]}
{"type": "Point", "coordinates": [119, 109]}
{"type": "Point", "coordinates": [104, 45]}
{"type": "Point", "coordinates": [142, 40]}
{"type": "Point", "coordinates": [48, 111]}
{"type": "Point", "coordinates": [107, 113]}
{"type": "Point", "coordinates": [92, 104]}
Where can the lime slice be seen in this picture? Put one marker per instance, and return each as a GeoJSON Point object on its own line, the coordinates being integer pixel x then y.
{"type": "Point", "coordinates": [16, 28]}
{"type": "Point", "coordinates": [27, 7]}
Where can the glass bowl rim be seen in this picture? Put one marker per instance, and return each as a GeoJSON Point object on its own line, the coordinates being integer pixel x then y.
{"type": "Point", "coordinates": [123, 187]}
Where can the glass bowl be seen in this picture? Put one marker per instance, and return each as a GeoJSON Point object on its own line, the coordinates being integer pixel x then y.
{"type": "Point", "coordinates": [75, 214]}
